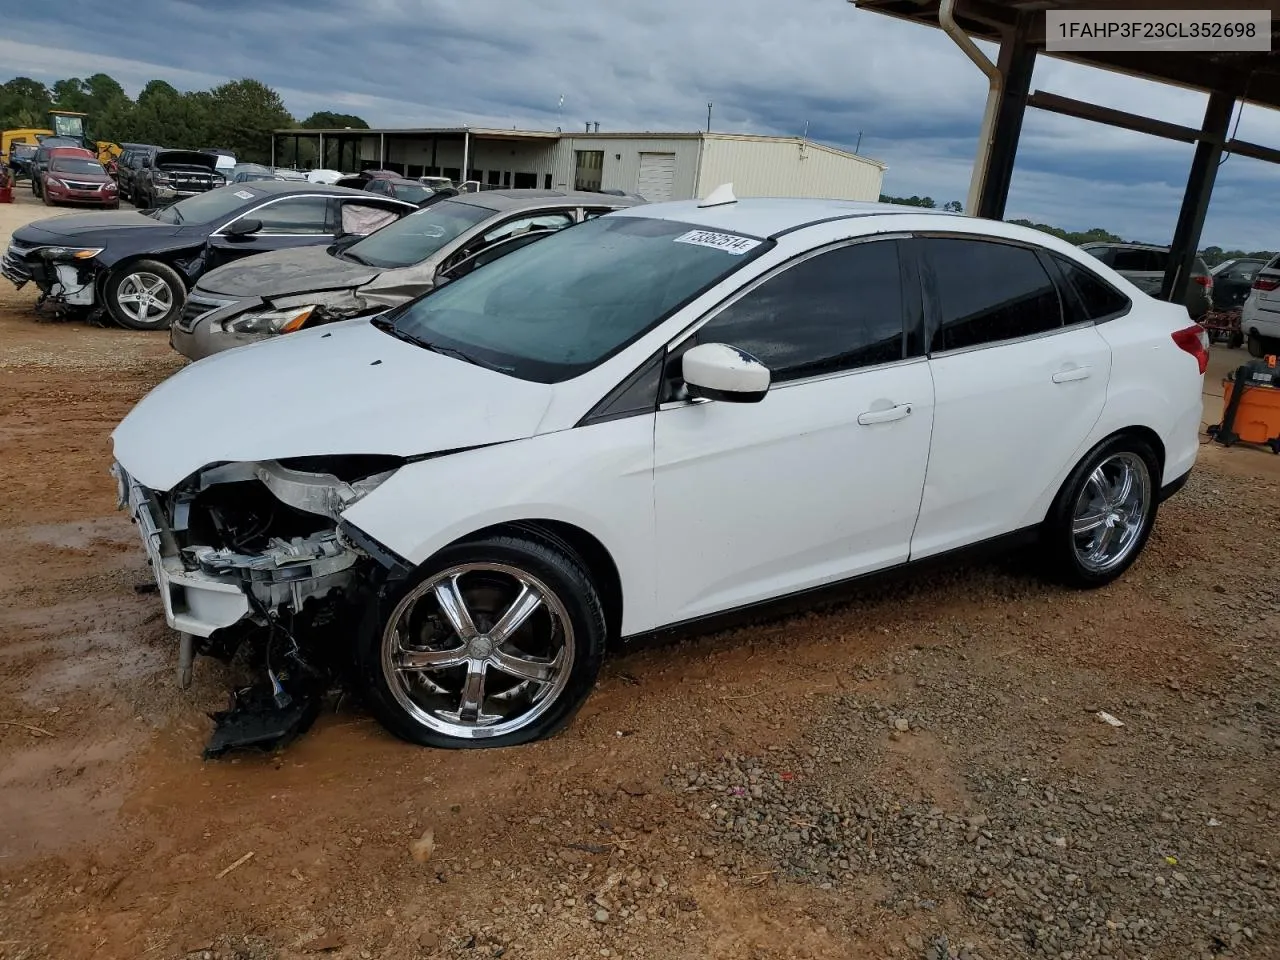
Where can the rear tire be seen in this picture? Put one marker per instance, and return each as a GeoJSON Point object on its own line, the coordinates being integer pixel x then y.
{"type": "Point", "coordinates": [471, 683]}
{"type": "Point", "coordinates": [145, 295]}
{"type": "Point", "coordinates": [1103, 515]}
{"type": "Point", "coordinates": [1257, 348]}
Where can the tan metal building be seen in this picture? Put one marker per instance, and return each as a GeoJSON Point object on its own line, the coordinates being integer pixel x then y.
{"type": "Point", "coordinates": [658, 166]}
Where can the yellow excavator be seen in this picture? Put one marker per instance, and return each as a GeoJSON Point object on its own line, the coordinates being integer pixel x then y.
{"type": "Point", "coordinates": [64, 123]}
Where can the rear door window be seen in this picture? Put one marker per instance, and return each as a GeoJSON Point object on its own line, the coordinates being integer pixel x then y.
{"type": "Point", "coordinates": [1088, 297]}
{"type": "Point", "coordinates": [984, 292]}
{"type": "Point", "coordinates": [294, 216]}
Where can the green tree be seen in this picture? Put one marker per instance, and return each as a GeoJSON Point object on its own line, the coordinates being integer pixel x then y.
{"type": "Point", "coordinates": [24, 103]}
{"type": "Point", "coordinates": [927, 202]}
{"type": "Point", "coordinates": [241, 116]}
{"type": "Point", "coordinates": [326, 120]}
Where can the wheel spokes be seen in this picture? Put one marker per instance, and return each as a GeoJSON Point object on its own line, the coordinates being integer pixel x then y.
{"type": "Point", "coordinates": [471, 700]}
{"type": "Point", "coordinates": [524, 667]}
{"type": "Point", "coordinates": [454, 606]}
{"type": "Point", "coordinates": [1089, 522]}
{"type": "Point", "coordinates": [498, 666]}
{"type": "Point", "coordinates": [523, 607]}
{"type": "Point", "coordinates": [415, 660]}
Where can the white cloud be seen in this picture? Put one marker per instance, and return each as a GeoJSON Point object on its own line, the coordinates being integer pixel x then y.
{"type": "Point", "coordinates": [769, 67]}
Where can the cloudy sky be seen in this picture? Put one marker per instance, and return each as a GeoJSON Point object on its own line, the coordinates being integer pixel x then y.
{"type": "Point", "coordinates": [769, 66]}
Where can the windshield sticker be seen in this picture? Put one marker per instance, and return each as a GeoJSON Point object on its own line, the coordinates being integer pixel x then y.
{"type": "Point", "coordinates": [244, 194]}
{"type": "Point", "coordinates": [727, 242]}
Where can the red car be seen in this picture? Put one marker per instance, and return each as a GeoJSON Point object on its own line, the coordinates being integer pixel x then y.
{"type": "Point", "coordinates": [77, 179]}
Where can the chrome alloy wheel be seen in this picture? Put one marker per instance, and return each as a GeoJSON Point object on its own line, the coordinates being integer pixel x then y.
{"type": "Point", "coordinates": [1110, 512]}
{"type": "Point", "coordinates": [144, 297]}
{"type": "Point", "coordinates": [478, 650]}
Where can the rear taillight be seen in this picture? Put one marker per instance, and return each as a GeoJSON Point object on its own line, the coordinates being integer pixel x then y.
{"type": "Point", "coordinates": [1205, 281]}
{"type": "Point", "coordinates": [1266, 283]}
{"type": "Point", "coordinates": [1195, 340]}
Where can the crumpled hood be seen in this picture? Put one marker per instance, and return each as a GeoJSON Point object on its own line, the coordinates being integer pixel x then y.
{"type": "Point", "coordinates": [282, 273]}
{"type": "Point", "coordinates": [59, 228]}
{"type": "Point", "coordinates": [343, 388]}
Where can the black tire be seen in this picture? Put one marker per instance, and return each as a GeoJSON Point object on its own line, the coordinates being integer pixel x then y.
{"type": "Point", "coordinates": [1257, 348]}
{"type": "Point", "coordinates": [560, 571]}
{"type": "Point", "coordinates": [1058, 537]}
{"type": "Point", "coordinates": [177, 293]}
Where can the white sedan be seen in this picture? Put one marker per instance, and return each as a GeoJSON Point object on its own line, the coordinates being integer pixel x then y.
{"type": "Point", "coordinates": [661, 415]}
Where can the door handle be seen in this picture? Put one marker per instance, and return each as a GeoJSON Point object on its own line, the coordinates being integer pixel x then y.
{"type": "Point", "coordinates": [1075, 373]}
{"type": "Point", "coordinates": [887, 415]}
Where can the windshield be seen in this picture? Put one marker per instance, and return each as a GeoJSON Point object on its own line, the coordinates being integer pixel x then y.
{"type": "Point", "coordinates": [206, 207]}
{"type": "Point", "coordinates": [556, 308]}
{"type": "Point", "coordinates": [75, 165]}
{"type": "Point", "coordinates": [411, 192]}
{"type": "Point", "coordinates": [413, 238]}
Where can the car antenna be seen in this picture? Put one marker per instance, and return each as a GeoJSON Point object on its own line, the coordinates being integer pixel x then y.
{"type": "Point", "coordinates": [719, 196]}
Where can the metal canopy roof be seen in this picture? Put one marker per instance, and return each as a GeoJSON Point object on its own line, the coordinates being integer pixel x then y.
{"type": "Point", "coordinates": [1254, 77]}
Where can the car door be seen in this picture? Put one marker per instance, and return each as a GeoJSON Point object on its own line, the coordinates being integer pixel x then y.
{"type": "Point", "coordinates": [295, 221]}
{"type": "Point", "coordinates": [1017, 388]}
{"type": "Point", "coordinates": [820, 480]}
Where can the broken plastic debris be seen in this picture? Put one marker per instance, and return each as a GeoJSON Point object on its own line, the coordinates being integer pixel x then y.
{"type": "Point", "coordinates": [1109, 719]}
{"type": "Point", "coordinates": [1215, 822]}
{"type": "Point", "coordinates": [1171, 861]}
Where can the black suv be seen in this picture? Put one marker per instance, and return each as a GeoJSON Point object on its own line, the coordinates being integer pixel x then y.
{"type": "Point", "coordinates": [134, 158]}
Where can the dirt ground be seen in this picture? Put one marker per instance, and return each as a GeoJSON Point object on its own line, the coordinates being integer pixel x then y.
{"type": "Point", "coordinates": [945, 731]}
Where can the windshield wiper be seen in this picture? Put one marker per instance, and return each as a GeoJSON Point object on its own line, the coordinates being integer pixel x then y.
{"type": "Point", "coordinates": [464, 357]}
{"type": "Point", "coordinates": [389, 326]}
{"type": "Point", "coordinates": [354, 257]}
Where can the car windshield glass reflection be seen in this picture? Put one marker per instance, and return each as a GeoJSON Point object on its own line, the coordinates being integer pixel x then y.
{"type": "Point", "coordinates": [554, 309]}
{"type": "Point", "coordinates": [414, 238]}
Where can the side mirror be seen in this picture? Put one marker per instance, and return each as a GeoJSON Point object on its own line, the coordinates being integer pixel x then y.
{"type": "Point", "coordinates": [718, 371]}
{"type": "Point", "coordinates": [243, 228]}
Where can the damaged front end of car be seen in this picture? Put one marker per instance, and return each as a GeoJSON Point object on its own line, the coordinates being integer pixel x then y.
{"type": "Point", "coordinates": [255, 559]}
{"type": "Point", "coordinates": [66, 276]}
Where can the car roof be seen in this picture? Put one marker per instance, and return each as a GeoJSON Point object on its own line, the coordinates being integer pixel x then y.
{"type": "Point", "coordinates": [273, 187]}
{"type": "Point", "coordinates": [771, 216]}
{"type": "Point", "coordinates": [505, 200]}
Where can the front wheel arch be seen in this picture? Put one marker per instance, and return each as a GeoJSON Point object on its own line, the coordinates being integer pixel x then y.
{"type": "Point", "coordinates": [592, 554]}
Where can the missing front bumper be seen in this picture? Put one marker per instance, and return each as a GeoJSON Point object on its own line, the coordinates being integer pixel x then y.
{"type": "Point", "coordinates": [206, 589]}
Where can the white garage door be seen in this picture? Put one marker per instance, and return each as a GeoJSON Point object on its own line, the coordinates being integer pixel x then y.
{"type": "Point", "coordinates": [657, 176]}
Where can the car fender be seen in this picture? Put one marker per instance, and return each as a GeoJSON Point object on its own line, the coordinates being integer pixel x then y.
{"type": "Point", "coordinates": [598, 479]}
{"type": "Point", "coordinates": [1135, 406]}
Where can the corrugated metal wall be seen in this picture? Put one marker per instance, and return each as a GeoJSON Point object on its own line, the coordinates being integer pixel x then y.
{"type": "Point", "coordinates": [782, 168]}
{"type": "Point", "coordinates": [622, 161]}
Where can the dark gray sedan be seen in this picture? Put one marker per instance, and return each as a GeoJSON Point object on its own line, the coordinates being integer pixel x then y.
{"type": "Point", "coordinates": [287, 290]}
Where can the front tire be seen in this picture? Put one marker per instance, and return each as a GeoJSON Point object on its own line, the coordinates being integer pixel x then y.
{"type": "Point", "coordinates": [145, 295]}
{"type": "Point", "coordinates": [1103, 515]}
{"type": "Point", "coordinates": [494, 642]}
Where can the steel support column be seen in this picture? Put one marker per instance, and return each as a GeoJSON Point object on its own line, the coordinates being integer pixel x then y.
{"type": "Point", "coordinates": [1195, 201]}
{"type": "Point", "coordinates": [1016, 63]}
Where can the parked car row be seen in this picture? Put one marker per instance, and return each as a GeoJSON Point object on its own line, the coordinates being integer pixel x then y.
{"type": "Point", "coordinates": [138, 266]}
{"type": "Point", "coordinates": [637, 418]}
